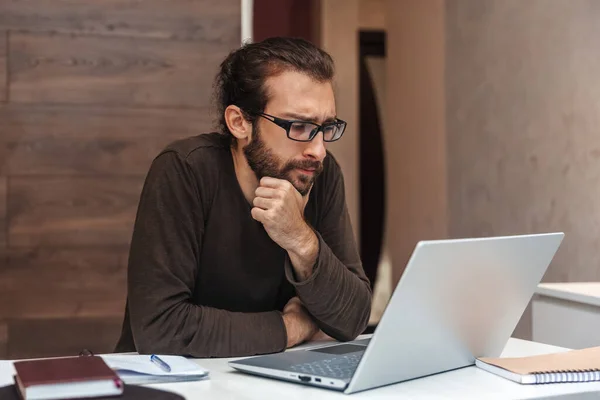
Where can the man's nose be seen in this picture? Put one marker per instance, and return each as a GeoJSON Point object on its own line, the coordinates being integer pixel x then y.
{"type": "Point", "coordinates": [316, 148]}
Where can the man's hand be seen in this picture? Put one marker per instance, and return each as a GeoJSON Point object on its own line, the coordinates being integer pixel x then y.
{"type": "Point", "coordinates": [298, 323]}
{"type": "Point", "coordinates": [320, 335]}
{"type": "Point", "coordinates": [280, 208]}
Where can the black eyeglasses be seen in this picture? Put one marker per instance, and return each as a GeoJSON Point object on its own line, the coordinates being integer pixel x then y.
{"type": "Point", "coordinates": [304, 131]}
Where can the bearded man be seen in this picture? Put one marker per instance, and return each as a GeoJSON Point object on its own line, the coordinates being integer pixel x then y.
{"type": "Point", "coordinates": [242, 243]}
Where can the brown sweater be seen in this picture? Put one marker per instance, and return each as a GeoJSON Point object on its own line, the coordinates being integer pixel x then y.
{"type": "Point", "coordinates": [205, 279]}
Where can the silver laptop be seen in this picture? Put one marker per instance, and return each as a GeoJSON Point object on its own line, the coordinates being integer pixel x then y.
{"type": "Point", "coordinates": [457, 300]}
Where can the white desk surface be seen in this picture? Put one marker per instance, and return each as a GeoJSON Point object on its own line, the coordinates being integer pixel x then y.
{"type": "Point", "coordinates": [465, 383]}
{"type": "Point", "coordinates": [579, 292]}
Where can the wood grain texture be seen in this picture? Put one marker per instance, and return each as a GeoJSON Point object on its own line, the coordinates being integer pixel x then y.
{"type": "Point", "coordinates": [62, 303]}
{"type": "Point", "coordinates": [61, 337]}
{"type": "Point", "coordinates": [92, 122]}
{"type": "Point", "coordinates": [91, 140]}
{"type": "Point", "coordinates": [72, 211]}
{"type": "Point", "coordinates": [206, 20]}
{"type": "Point", "coordinates": [63, 282]}
{"type": "Point", "coordinates": [3, 340]}
{"type": "Point", "coordinates": [3, 65]}
{"type": "Point", "coordinates": [3, 219]}
{"type": "Point", "coordinates": [90, 92]}
{"type": "Point", "coordinates": [111, 71]}
{"type": "Point", "coordinates": [87, 269]}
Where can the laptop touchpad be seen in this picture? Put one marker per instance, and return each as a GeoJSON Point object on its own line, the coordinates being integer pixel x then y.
{"type": "Point", "coordinates": [341, 349]}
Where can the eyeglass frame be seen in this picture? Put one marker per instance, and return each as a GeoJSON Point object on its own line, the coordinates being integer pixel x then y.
{"type": "Point", "coordinates": [286, 124]}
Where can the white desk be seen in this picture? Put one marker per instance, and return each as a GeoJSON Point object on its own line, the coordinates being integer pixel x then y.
{"type": "Point", "coordinates": [567, 314]}
{"type": "Point", "coordinates": [465, 383]}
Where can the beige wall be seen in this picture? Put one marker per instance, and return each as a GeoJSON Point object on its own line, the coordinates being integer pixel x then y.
{"type": "Point", "coordinates": [493, 121]}
{"type": "Point", "coordinates": [338, 36]}
{"type": "Point", "coordinates": [415, 144]}
{"type": "Point", "coordinates": [523, 114]}
{"type": "Point", "coordinates": [340, 39]}
{"type": "Point", "coordinates": [524, 124]}
{"type": "Point", "coordinates": [371, 14]}
{"type": "Point", "coordinates": [517, 149]}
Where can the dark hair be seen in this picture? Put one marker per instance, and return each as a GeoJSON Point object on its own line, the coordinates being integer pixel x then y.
{"type": "Point", "coordinates": [243, 73]}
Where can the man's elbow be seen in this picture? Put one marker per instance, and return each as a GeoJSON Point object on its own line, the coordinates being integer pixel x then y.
{"type": "Point", "coordinates": [148, 340]}
{"type": "Point", "coordinates": [363, 316]}
{"type": "Point", "coordinates": [360, 327]}
{"type": "Point", "coordinates": [147, 344]}
{"type": "Point", "coordinates": [352, 331]}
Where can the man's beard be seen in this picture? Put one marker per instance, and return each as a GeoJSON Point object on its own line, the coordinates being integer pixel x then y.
{"type": "Point", "coordinates": [264, 163]}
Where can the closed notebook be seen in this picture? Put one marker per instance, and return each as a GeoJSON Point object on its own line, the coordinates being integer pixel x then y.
{"type": "Point", "coordinates": [570, 366]}
{"type": "Point", "coordinates": [66, 378]}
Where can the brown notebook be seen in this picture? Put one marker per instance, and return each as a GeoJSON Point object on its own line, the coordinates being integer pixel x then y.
{"type": "Point", "coordinates": [66, 378]}
{"type": "Point", "coordinates": [570, 366]}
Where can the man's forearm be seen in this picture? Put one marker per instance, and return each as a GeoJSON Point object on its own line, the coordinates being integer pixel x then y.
{"type": "Point", "coordinates": [300, 328]}
{"type": "Point", "coordinates": [200, 331]}
{"type": "Point", "coordinates": [337, 298]}
{"type": "Point", "coordinates": [303, 255]}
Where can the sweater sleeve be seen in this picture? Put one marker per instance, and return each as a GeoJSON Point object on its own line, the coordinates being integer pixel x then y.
{"type": "Point", "coordinates": [338, 293]}
{"type": "Point", "coordinates": [162, 272]}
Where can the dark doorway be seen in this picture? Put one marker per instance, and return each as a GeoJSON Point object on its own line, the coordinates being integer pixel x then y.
{"type": "Point", "coordinates": [371, 155]}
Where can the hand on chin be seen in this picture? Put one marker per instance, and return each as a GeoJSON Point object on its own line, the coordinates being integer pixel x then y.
{"type": "Point", "coordinates": [280, 208]}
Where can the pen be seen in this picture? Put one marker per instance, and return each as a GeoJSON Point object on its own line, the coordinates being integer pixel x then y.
{"type": "Point", "coordinates": [162, 365]}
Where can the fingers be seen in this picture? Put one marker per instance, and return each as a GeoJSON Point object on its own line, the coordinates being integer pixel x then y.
{"type": "Point", "coordinates": [259, 214]}
{"type": "Point", "coordinates": [263, 203]}
{"type": "Point", "coordinates": [281, 184]}
{"type": "Point", "coordinates": [293, 305]}
{"type": "Point", "coordinates": [294, 299]}
{"type": "Point", "coordinates": [269, 193]}
{"type": "Point", "coordinates": [290, 308]}
{"type": "Point", "coordinates": [274, 183]}
{"type": "Point", "coordinates": [320, 335]}
{"type": "Point", "coordinates": [294, 308]}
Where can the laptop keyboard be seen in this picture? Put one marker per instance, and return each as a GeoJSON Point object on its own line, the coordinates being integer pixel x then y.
{"type": "Point", "coordinates": [341, 367]}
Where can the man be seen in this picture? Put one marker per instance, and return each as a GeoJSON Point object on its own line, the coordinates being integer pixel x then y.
{"type": "Point", "coordinates": [242, 243]}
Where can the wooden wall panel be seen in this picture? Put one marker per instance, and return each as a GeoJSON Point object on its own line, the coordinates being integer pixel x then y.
{"type": "Point", "coordinates": [92, 140]}
{"type": "Point", "coordinates": [87, 269]}
{"type": "Point", "coordinates": [72, 211]}
{"type": "Point", "coordinates": [111, 71]}
{"type": "Point", "coordinates": [205, 20]}
{"type": "Point", "coordinates": [54, 337]}
{"type": "Point", "coordinates": [3, 340]}
{"type": "Point", "coordinates": [56, 303]}
{"type": "Point", "coordinates": [104, 155]}
{"type": "Point", "coordinates": [90, 92]}
{"type": "Point", "coordinates": [3, 228]}
{"type": "Point", "coordinates": [3, 65]}
{"type": "Point", "coordinates": [63, 282]}
{"type": "Point", "coordinates": [92, 122]}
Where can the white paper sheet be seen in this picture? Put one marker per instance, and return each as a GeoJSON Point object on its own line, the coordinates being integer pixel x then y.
{"type": "Point", "coordinates": [139, 370]}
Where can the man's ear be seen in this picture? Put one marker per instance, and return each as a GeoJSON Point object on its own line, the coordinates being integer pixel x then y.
{"type": "Point", "coordinates": [237, 124]}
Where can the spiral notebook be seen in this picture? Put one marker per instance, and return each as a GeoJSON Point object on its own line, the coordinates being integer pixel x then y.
{"type": "Point", "coordinates": [570, 366]}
